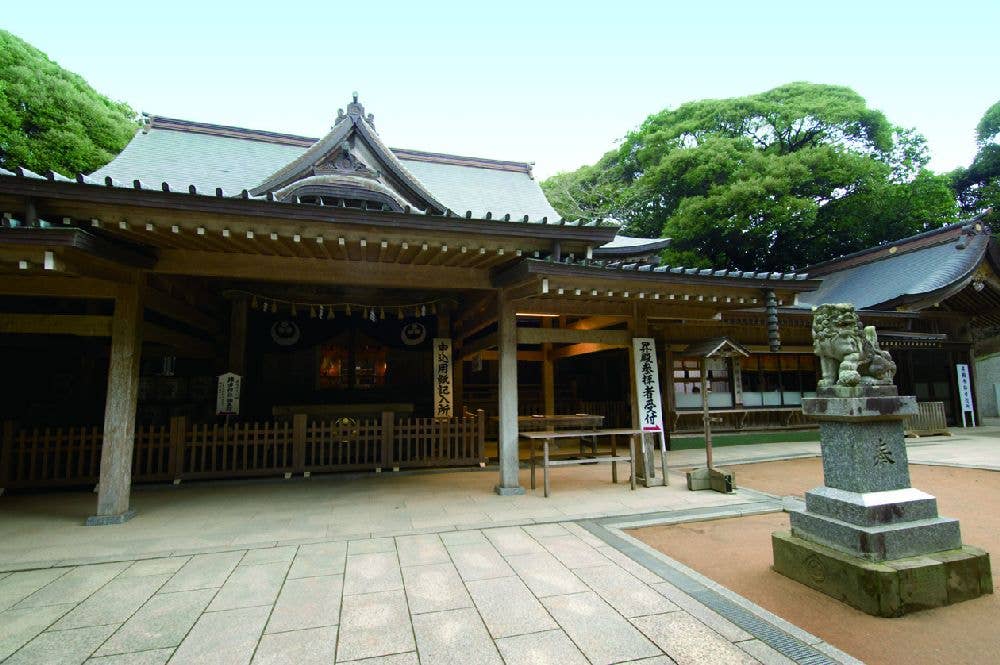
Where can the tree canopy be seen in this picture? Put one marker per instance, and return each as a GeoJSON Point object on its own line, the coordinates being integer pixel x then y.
{"type": "Point", "coordinates": [978, 186]}
{"type": "Point", "coordinates": [776, 180]}
{"type": "Point", "coordinates": [51, 119]}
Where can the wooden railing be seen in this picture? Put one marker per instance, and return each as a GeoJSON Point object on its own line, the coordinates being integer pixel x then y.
{"type": "Point", "coordinates": [55, 456]}
{"type": "Point", "coordinates": [930, 420]}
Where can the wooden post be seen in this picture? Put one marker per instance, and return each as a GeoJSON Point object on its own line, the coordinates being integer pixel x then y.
{"type": "Point", "coordinates": [669, 402]}
{"type": "Point", "coordinates": [705, 415]}
{"type": "Point", "coordinates": [178, 439]}
{"type": "Point", "coordinates": [238, 335]}
{"type": "Point", "coordinates": [481, 436]}
{"type": "Point", "coordinates": [548, 375]}
{"type": "Point", "coordinates": [6, 443]}
{"type": "Point", "coordinates": [119, 409]}
{"type": "Point", "coordinates": [388, 423]}
{"type": "Point", "coordinates": [507, 443]}
{"type": "Point", "coordinates": [299, 423]}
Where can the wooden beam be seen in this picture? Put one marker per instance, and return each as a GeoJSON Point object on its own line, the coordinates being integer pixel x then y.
{"type": "Point", "coordinates": [119, 410]}
{"type": "Point", "coordinates": [179, 310]}
{"type": "Point", "coordinates": [184, 344]}
{"type": "Point", "coordinates": [597, 322]}
{"type": "Point", "coordinates": [82, 325]}
{"type": "Point", "coordinates": [522, 356]}
{"type": "Point", "coordinates": [562, 336]}
{"type": "Point", "coordinates": [583, 349]}
{"type": "Point", "coordinates": [57, 287]}
{"type": "Point", "coordinates": [318, 271]}
{"type": "Point", "coordinates": [481, 344]}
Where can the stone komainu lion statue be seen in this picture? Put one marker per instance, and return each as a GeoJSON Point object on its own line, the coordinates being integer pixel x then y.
{"type": "Point", "coordinates": [848, 357]}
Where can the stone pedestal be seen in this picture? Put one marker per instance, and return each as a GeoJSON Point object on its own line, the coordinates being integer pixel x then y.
{"type": "Point", "coordinates": [866, 536]}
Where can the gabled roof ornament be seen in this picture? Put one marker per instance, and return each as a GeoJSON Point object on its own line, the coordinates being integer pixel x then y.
{"type": "Point", "coordinates": [356, 111]}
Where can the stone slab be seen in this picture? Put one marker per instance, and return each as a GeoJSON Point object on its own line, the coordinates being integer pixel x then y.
{"type": "Point", "coordinates": [889, 588]}
{"type": "Point", "coordinates": [75, 586]}
{"type": "Point", "coordinates": [158, 566]}
{"type": "Point", "coordinates": [374, 624]}
{"type": "Point", "coordinates": [18, 627]}
{"type": "Point", "coordinates": [602, 634]}
{"type": "Point", "coordinates": [872, 508]}
{"type": "Point", "coordinates": [689, 642]}
{"type": "Point", "coordinates": [223, 638]}
{"type": "Point", "coordinates": [878, 543]}
{"type": "Point", "coordinates": [114, 603]}
{"type": "Point", "coordinates": [864, 456]}
{"type": "Point", "coordinates": [162, 622]}
{"type": "Point", "coordinates": [420, 550]}
{"type": "Point", "coordinates": [511, 541]}
{"type": "Point", "coordinates": [62, 647]}
{"type": "Point", "coordinates": [204, 571]}
{"type": "Point", "coordinates": [249, 586]}
{"type": "Point", "coordinates": [624, 592]}
{"type": "Point", "coordinates": [434, 588]}
{"type": "Point", "coordinates": [573, 552]}
{"type": "Point", "coordinates": [509, 608]}
{"type": "Point", "coordinates": [154, 657]}
{"type": "Point", "coordinates": [551, 647]}
{"type": "Point", "coordinates": [319, 560]}
{"type": "Point", "coordinates": [368, 573]}
{"type": "Point", "coordinates": [268, 555]}
{"type": "Point", "coordinates": [544, 575]}
{"type": "Point", "coordinates": [479, 562]}
{"type": "Point", "coordinates": [17, 586]}
{"type": "Point", "coordinates": [454, 637]}
{"type": "Point", "coordinates": [316, 646]}
{"type": "Point", "coordinates": [308, 602]}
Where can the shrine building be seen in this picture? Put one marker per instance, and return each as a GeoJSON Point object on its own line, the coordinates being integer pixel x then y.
{"type": "Point", "coordinates": [374, 308]}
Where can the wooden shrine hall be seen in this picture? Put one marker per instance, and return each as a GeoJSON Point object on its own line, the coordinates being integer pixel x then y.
{"type": "Point", "coordinates": [383, 309]}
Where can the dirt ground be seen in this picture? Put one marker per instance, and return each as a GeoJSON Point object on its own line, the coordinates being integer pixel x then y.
{"type": "Point", "coordinates": [737, 554]}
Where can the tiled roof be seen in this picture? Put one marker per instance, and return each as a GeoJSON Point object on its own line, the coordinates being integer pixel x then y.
{"type": "Point", "coordinates": [624, 245]}
{"type": "Point", "coordinates": [915, 268]}
{"type": "Point", "coordinates": [181, 154]}
{"type": "Point", "coordinates": [622, 266]}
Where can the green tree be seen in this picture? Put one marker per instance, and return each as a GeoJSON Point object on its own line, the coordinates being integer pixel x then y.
{"type": "Point", "coordinates": [775, 181]}
{"type": "Point", "coordinates": [50, 119]}
{"type": "Point", "coordinates": [978, 186]}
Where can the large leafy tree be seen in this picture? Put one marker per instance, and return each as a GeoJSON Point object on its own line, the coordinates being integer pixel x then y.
{"type": "Point", "coordinates": [50, 119]}
{"type": "Point", "coordinates": [978, 187]}
{"type": "Point", "coordinates": [777, 180]}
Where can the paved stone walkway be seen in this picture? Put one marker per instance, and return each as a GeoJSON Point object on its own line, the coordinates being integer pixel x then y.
{"type": "Point", "coordinates": [533, 593]}
{"type": "Point", "coordinates": [550, 593]}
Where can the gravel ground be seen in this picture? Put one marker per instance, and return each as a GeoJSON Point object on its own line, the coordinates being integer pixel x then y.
{"type": "Point", "coordinates": [737, 553]}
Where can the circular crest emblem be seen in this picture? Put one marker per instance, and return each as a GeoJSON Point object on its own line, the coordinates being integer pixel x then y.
{"type": "Point", "coordinates": [413, 333]}
{"type": "Point", "coordinates": [285, 333]}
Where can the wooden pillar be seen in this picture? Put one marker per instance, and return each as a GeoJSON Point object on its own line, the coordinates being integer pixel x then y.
{"type": "Point", "coordinates": [238, 336]}
{"type": "Point", "coordinates": [119, 410]}
{"type": "Point", "coordinates": [669, 406]}
{"type": "Point", "coordinates": [548, 374]}
{"type": "Point", "coordinates": [508, 432]}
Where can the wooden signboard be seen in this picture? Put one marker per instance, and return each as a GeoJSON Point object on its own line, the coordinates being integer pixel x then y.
{"type": "Point", "coordinates": [444, 398]}
{"type": "Point", "coordinates": [647, 385]}
{"type": "Point", "coordinates": [227, 396]}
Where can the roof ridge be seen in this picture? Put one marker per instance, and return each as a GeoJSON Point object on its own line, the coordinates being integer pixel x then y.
{"type": "Point", "coordinates": [278, 138]}
{"type": "Point", "coordinates": [912, 243]}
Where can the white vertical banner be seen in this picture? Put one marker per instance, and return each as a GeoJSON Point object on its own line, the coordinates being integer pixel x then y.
{"type": "Point", "coordinates": [647, 384]}
{"type": "Point", "coordinates": [227, 395]}
{"type": "Point", "coordinates": [443, 397]}
{"type": "Point", "coordinates": [737, 382]}
{"type": "Point", "coordinates": [965, 392]}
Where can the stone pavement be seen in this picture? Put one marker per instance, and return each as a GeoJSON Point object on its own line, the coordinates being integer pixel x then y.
{"type": "Point", "coordinates": [563, 585]}
{"type": "Point", "coordinates": [547, 593]}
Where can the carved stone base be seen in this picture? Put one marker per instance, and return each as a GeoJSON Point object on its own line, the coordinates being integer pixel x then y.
{"type": "Point", "coordinates": [890, 588]}
{"type": "Point", "coordinates": [720, 480]}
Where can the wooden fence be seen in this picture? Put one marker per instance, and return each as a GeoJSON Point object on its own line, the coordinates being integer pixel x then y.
{"type": "Point", "coordinates": [930, 420]}
{"type": "Point", "coordinates": [62, 456]}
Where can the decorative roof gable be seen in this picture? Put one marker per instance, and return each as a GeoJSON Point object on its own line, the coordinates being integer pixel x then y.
{"type": "Point", "coordinates": [351, 162]}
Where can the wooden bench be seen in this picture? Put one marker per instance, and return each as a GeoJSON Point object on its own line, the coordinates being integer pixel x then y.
{"type": "Point", "coordinates": [546, 439]}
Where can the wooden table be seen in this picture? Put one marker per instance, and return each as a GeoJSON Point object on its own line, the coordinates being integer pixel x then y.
{"type": "Point", "coordinates": [548, 437]}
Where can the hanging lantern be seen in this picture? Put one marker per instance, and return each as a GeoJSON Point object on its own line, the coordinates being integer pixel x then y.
{"type": "Point", "coordinates": [400, 314]}
{"type": "Point", "coordinates": [347, 309]}
{"type": "Point", "coordinates": [295, 311]}
{"type": "Point", "coordinates": [322, 311]}
{"type": "Point", "coordinates": [434, 309]}
{"type": "Point", "coordinates": [381, 313]}
{"type": "Point", "coordinates": [253, 302]}
{"type": "Point", "coordinates": [423, 310]}
{"type": "Point", "coordinates": [333, 312]}
{"type": "Point", "coordinates": [371, 315]}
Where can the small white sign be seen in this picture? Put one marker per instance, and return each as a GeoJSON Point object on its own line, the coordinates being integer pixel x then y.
{"type": "Point", "coordinates": [965, 392]}
{"type": "Point", "coordinates": [227, 396]}
{"type": "Point", "coordinates": [647, 384]}
{"type": "Point", "coordinates": [443, 396]}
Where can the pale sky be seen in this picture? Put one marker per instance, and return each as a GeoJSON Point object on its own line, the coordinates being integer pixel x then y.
{"type": "Point", "coordinates": [556, 83]}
